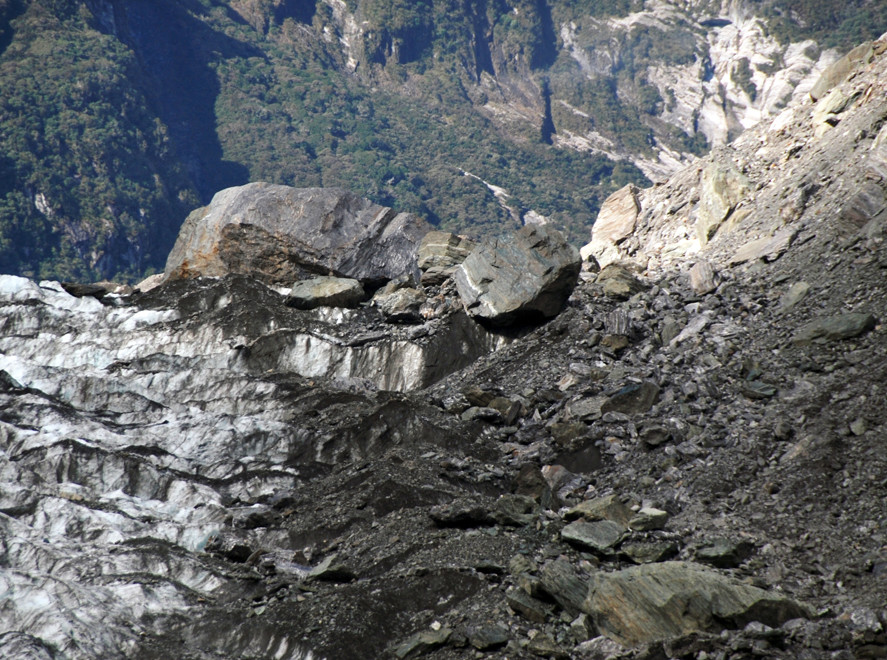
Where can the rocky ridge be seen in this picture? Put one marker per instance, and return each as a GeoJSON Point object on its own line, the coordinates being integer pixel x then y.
{"type": "Point", "coordinates": [699, 429]}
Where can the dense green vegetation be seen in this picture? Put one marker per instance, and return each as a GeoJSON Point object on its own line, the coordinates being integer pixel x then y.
{"type": "Point", "coordinates": [111, 131]}
{"type": "Point", "coordinates": [841, 25]}
{"type": "Point", "coordinates": [86, 172]}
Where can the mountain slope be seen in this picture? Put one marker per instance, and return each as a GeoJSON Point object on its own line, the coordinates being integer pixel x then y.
{"type": "Point", "coordinates": [120, 117]}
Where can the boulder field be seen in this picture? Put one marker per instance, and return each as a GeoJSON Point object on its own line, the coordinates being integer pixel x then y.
{"type": "Point", "coordinates": [682, 458]}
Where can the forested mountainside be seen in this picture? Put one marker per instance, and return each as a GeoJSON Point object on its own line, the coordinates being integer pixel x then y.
{"type": "Point", "coordinates": [118, 117]}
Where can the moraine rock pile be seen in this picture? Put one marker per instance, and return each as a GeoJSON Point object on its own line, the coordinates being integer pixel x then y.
{"type": "Point", "coordinates": [686, 462]}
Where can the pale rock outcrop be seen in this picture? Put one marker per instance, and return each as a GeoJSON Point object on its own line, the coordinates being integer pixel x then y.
{"type": "Point", "coordinates": [722, 188]}
{"type": "Point", "coordinates": [615, 222]}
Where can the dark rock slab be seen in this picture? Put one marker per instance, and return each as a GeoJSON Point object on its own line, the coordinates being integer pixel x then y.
{"type": "Point", "coordinates": [279, 234]}
{"type": "Point", "coordinates": [525, 275]}
{"type": "Point", "coordinates": [564, 584]}
{"type": "Point", "coordinates": [487, 638]}
{"type": "Point", "coordinates": [633, 399]}
{"type": "Point", "coordinates": [530, 608]}
{"type": "Point", "coordinates": [724, 553]}
{"type": "Point", "coordinates": [833, 328]}
{"type": "Point", "coordinates": [660, 601]}
{"type": "Point", "coordinates": [649, 552]}
{"type": "Point", "coordinates": [462, 513]}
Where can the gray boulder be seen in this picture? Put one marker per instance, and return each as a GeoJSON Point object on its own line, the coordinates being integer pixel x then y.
{"type": "Point", "coordinates": [279, 234]}
{"type": "Point", "coordinates": [834, 328]}
{"type": "Point", "coordinates": [653, 602]}
{"type": "Point", "coordinates": [400, 305]}
{"type": "Point", "coordinates": [528, 274]}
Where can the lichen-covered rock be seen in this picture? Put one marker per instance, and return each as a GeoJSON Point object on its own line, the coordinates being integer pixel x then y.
{"type": "Point", "coordinates": [525, 275]}
{"type": "Point", "coordinates": [278, 234]}
{"type": "Point", "coordinates": [652, 602]}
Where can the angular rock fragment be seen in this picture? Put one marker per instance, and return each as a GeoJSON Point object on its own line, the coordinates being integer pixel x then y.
{"type": "Point", "coordinates": [601, 536]}
{"type": "Point", "coordinates": [833, 328]}
{"type": "Point", "coordinates": [648, 519]}
{"type": "Point", "coordinates": [615, 222]}
{"type": "Point", "coordinates": [279, 234]}
{"type": "Point", "coordinates": [530, 608]}
{"type": "Point", "coordinates": [487, 638]}
{"type": "Point", "coordinates": [601, 508]}
{"type": "Point", "coordinates": [703, 278]}
{"type": "Point", "coordinates": [440, 252]}
{"type": "Point", "coordinates": [722, 188]}
{"type": "Point", "coordinates": [724, 553]}
{"type": "Point", "coordinates": [326, 292]}
{"type": "Point", "coordinates": [422, 643]}
{"type": "Point", "coordinates": [522, 276]}
{"type": "Point", "coordinates": [660, 601]}
{"type": "Point", "coordinates": [633, 399]}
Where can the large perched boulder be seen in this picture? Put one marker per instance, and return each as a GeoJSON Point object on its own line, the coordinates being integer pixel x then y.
{"type": "Point", "coordinates": [528, 274]}
{"type": "Point", "coordinates": [660, 601]}
{"type": "Point", "coordinates": [280, 234]}
{"type": "Point", "coordinates": [615, 222]}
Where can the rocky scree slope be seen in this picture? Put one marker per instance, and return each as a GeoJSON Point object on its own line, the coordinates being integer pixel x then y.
{"type": "Point", "coordinates": [702, 421]}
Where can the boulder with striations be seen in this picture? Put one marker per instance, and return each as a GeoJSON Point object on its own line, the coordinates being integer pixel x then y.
{"type": "Point", "coordinates": [525, 275]}
{"type": "Point", "coordinates": [280, 234]}
{"type": "Point", "coordinates": [652, 602]}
